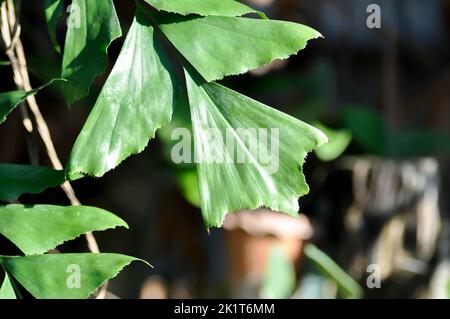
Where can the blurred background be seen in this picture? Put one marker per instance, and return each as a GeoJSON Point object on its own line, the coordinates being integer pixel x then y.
{"type": "Point", "coordinates": [376, 221]}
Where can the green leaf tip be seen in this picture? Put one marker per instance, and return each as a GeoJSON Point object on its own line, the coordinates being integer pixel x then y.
{"type": "Point", "coordinates": [7, 290]}
{"type": "Point", "coordinates": [93, 26]}
{"type": "Point", "coordinates": [65, 276]}
{"type": "Point", "coordinates": [10, 100]}
{"type": "Point", "coordinates": [53, 11]}
{"type": "Point", "coordinates": [39, 228]}
{"type": "Point", "coordinates": [235, 45]}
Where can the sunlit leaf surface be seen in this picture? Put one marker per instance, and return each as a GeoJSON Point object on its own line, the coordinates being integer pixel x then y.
{"type": "Point", "coordinates": [7, 290]}
{"type": "Point", "coordinates": [246, 178]}
{"type": "Point", "coordinates": [64, 276]}
{"type": "Point", "coordinates": [136, 100]}
{"type": "Point", "coordinates": [39, 228]}
{"type": "Point", "coordinates": [221, 46]}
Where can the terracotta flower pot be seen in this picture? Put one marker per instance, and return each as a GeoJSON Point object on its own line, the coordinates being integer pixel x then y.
{"type": "Point", "coordinates": [250, 237]}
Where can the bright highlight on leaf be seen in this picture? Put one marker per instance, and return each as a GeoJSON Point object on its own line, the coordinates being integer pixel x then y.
{"type": "Point", "coordinates": [93, 25]}
{"type": "Point", "coordinates": [64, 276]}
{"type": "Point", "coordinates": [227, 8]}
{"type": "Point", "coordinates": [16, 180]}
{"type": "Point", "coordinates": [221, 46]}
{"type": "Point", "coordinates": [37, 229]}
{"type": "Point", "coordinates": [255, 182]}
{"type": "Point", "coordinates": [7, 290]}
{"type": "Point", "coordinates": [136, 100]}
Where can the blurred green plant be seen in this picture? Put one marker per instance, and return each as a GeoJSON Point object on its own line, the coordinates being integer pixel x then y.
{"type": "Point", "coordinates": [373, 136]}
{"type": "Point", "coordinates": [347, 286]}
{"type": "Point", "coordinates": [279, 280]}
{"type": "Point", "coordinates": [448, 289]}
{"type": "Point", "coordinates": [338, 141]}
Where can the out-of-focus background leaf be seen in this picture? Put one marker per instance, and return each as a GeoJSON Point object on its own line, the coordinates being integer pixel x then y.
{"type": "Point", "coordinates": [279, 280]}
